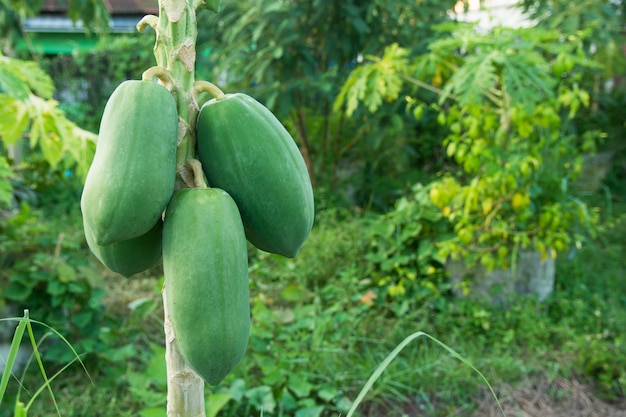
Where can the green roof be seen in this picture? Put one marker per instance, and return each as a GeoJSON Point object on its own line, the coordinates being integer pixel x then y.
{"type": "Point", "coordinates": [58, 43]}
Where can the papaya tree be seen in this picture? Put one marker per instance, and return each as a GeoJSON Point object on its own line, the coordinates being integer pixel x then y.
{"type": "Point", "coordinates": [188, 178]}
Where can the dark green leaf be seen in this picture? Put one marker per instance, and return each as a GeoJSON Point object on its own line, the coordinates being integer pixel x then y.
{"type": "Point", "coordinates": [83, 318]}
{"type": "Point", "coordinates": [315, 411]}
{"type": "Point", "coordinates": [16, 291]}
{"type": "Point", "coordinates": [261, 398]}
{"type": "Point", "coordinates": [56, 288]}
{"type": "Point", "coordinates": [300, 386]}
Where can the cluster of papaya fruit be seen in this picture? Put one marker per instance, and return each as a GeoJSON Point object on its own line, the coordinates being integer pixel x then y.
{"type": "Point", "coordinates": [135, 214]}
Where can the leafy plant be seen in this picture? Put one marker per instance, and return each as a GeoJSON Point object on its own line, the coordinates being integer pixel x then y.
{"type": "Point", "coordinates": [401, 255]}
{"type": "Point", "coordinates": [506, 101]}
{"type": "Point", "coordinates": [46, 271]}
{"type": "Point", "coordinates": [601, 20]}
{"type": "Point", "coordinates": [508, 133]}
{"type": "Point", "coordinates": [28, 107]}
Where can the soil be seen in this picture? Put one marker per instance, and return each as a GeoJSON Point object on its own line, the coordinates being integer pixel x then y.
{"type": "Point", "coordinates": [557, 398]}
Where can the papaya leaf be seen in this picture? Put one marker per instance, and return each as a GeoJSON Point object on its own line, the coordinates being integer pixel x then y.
{"type": "Point", "coordinates": [526, 78]}
{"type": "Point", "coordinates": [474, 80]}
{"type": "Point", "coordinates": [372, 83]}
{"type": "Point", "coordinates": [13, 119]}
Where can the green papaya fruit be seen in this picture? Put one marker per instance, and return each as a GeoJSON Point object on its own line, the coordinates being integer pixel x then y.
{"type": "Point", "coordinates": [245, 150]}
{"type": "Point", "coordinates": [129, 257]}
{"type": "Point", "coordinates": [205, 264]}
{"type": "Point", "coordinates": [132, 176]}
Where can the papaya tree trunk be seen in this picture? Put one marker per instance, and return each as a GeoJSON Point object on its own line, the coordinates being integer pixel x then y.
{"type": "Point", "coordinates": [185, 389]}
{"type": "Point", "coordinates": [174, 51]}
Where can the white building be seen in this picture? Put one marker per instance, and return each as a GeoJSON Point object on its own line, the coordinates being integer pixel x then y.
{"type": "Point", "coordinates": [490, 13]}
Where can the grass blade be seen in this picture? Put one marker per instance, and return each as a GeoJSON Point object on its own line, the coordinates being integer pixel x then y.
{"type": "Point", "coordinates": [20, 411]}
{"type": "Point", "coordinates": [385, 363]}
{"type": "Point", "coordinates": [69, 345]}
{"type": "Point", "coordinates": [41, 369]}
{"type": "Point", "coordinates": [47, 385]}
{"type": "Point", "coordinates": [15, 345]}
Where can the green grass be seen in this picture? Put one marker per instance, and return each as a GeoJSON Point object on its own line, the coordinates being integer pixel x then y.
{"type": "Point", "coordinates": [315, 343]}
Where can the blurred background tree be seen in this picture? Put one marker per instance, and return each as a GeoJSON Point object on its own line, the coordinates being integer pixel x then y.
{"type": "Point", "coordinates": [295, 55]}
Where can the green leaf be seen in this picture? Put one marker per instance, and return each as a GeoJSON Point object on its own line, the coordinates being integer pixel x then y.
{"type": "Point", "coordinates": [300, 386]}
{"type": "Point", "coordinates": [143, 306]}
{"type": "Point", "coordinates": [474, 80]}
{"type": "Point", "coordinates": [16, 291]}
{"type": "Point", "coordinates": [328, 393]}
{"type": "Point", "coordinates": [6, 188]}
{"type": "Point", "coordinates": [65, 272]}
{"type": "Point", "coordinates": [121, 354]}
{"type": "Point", "coordinates": [12, 85]}
{"type": "Point", "coordinates": [153, 412]}
{"type": "Point", "coordinates": [237, 389]}
{"type": "Point", "coordinates": [261, 398]}
{"type": "Point", "coordinates": [296, 293]}
{"type": "Point", "coordinates": [215, 402]}
{"type": "Point", "coordinates": [13, 119]}
{"type": "Point", "coordinates": [56, 288]}
{"type": "Point", "coordinates": [20, 79]}
{"type": "Point", "coordinates": [527, 78]}
{"type": "Point", "coordinates": [315, 411]}
{"type": "Point", "coordinates": [83, 318]}
{"type": "Point", "coordinates": [157, 369]}
{"type": "Point", "coordinates": [374, 82]}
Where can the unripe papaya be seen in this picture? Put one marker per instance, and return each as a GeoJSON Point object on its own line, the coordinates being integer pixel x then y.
{"type": "Point", "coordinates": [245, 150]}
{"type": "Point", "coordinates": [205, 264]}
{"type": "Point", "coordinates": [129, 257]}
{"type": "Point", "coordinates": [132, 176]}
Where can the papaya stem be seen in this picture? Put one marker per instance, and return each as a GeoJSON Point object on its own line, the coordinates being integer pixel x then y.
{"type": "Point", "coordinates": [207, 87]}
{"type": "Point", "coordinates": [161, 74]}
{"type": "Point", "coordinates": [185, 388]}
{"type": "Point", "coordinates": [174, 50]}
{"type": "Point", "coordinates": [198, 174]}
{"type": "Point", "coordinates": [148, 20]}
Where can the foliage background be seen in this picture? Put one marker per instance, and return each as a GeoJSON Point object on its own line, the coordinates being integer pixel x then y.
{"type": "Point", "coordinates": [371, 273]}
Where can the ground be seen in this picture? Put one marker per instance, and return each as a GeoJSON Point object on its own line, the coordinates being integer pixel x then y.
{"type": "Point", "coordinates": [558, 398]}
